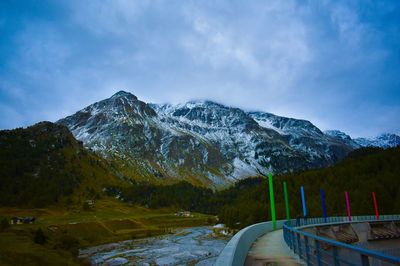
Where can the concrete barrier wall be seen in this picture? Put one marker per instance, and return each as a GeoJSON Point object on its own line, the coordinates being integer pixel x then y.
{"type": "Point", "coordinates": [235, 252]}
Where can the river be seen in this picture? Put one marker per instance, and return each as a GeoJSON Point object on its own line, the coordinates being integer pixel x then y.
{"type": "Point", "coordinates": [189, 246]}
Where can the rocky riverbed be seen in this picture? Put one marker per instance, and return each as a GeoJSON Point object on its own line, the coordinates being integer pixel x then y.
{"type": "Point", "coordinates": [190, 246]}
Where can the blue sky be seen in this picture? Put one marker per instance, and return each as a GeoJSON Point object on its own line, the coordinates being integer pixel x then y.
{"type": "Point", "coordinates": [335, 63]}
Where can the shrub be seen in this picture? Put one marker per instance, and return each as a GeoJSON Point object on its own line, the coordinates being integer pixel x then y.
{"type": "Point", "coordinates": [69, 243]}
{"type": "Point", "coordinates": [39, 237]}
{"type": "Point", "coordinates": [4, 224]}
{"type": "Point", "coordinates": [86, 206]}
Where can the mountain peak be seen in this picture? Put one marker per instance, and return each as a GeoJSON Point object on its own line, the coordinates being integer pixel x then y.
{"type": "Point", "coordinates": [122, 93]}
{"type": "Point", "coordinates": [384, 140]}
{"type": "Point", "coordinates": [387, 136]}
{"type": "Point", "coordinates": [337, 134]}
{"type": "Point", "coordinates": [201, 140]}
{"type": "Point", "coordinates": [202, 103]}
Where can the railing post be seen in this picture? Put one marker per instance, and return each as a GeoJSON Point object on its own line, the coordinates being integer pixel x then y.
{"type": "Point", "coordinates": [288, 238]}
{"type": "Point", "coordinates": [294, 241]}
{"type": "Point", "coordinates": [291, 239]}
{"type": "Point", "coordinates": [299, 244]}
{"type": "Point", "coordinates": [364, 260]}
{"type": "Point", "coordinates": [307, 250]}
{"type": "Point", "coordinates": [335, 256]}
{"type": "Point", "coordinates": [318, 249]}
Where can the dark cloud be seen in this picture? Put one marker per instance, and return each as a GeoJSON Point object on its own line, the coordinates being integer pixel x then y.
{"type": "Point", "coordinates": [334, 63]}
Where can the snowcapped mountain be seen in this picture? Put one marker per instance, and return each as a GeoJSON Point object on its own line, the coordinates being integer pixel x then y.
{"type": "Point", "coordinates": [200, 141]}
{"type": "Point", "coordinates": [384, 141]}
{"type": "Point", "coordinates": [303, 136]}
{"type": "Point", "coordinates": [341, 136]}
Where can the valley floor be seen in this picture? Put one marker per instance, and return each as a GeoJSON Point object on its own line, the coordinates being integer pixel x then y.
{"type": "Point", "coordinates": [68, 230]}
{"type": "Point", "coordinates": [190, 246]}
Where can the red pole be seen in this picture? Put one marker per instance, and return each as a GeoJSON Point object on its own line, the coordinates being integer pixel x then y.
{"type": "Point", "coordinates": [348, 205]}
{"type": "Point", "coordinates": [375, 206]}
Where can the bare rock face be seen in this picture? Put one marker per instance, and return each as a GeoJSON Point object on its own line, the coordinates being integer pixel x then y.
{"type": "Point", "coordinates": [200, 141]}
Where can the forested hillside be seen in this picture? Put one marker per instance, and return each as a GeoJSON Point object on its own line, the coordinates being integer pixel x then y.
{"type": "Point", "coordinates": [44, 164]}
{"type": "Point", "coordinates": [363, 171]}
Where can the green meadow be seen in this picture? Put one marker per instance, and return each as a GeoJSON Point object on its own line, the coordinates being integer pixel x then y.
{"type": "Point", "coordinates": [67, 230]}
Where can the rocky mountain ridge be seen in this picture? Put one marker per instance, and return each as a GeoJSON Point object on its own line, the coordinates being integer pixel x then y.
{"type": "Point", "coordinates": [201, 141]}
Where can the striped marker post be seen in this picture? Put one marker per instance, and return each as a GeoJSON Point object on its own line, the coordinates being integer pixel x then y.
{"type": "Point", "coordinates": [272, 201]}
{"type": "Point", "coordinates": [375, 205]}
{"type": "Point", "coordinates": [346, 194]}
{"type": "Point", "coordinates": [286, 201]}
{"type": "Point", "coordinates": [322, 192]}
{"type": "Point", "coordinates": [303, 202]}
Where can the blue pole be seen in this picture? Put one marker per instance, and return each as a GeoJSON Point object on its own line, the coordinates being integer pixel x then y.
{"type": "Point", "coordinates": [303, 202]}
{"type": "Point", "coordinates": [323, 203]}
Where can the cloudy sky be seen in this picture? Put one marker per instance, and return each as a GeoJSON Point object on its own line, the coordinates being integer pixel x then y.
{"type": "Point", "coordinates": [335, 63]}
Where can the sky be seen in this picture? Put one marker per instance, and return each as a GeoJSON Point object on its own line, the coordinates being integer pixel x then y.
{"type": "Point", "coordinates": [335, 63]}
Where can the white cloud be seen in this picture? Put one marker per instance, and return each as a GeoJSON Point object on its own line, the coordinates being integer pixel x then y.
{"type": "Point", "coordinates": [267, 47]}
{"type": "Point", "coordinates": [107, 16]}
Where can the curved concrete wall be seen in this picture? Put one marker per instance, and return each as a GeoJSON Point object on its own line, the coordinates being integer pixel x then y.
{"type": "Point", "coordinates": [235, 252]}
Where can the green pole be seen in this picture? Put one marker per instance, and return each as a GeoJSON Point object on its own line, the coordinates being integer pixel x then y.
{"type": "Point", "coordinates": [286, 201]}
{"type": "Point", "coordinates": [272, 201]}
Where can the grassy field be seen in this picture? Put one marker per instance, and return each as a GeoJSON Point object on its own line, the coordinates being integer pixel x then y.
{"type": "Point", "coordinates": [67, 230]}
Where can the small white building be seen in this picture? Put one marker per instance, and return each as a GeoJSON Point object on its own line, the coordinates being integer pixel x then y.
{"type": "Point", "coordinates": [221, 229]}
{"type": "Point", "coordinates": [184, 214]}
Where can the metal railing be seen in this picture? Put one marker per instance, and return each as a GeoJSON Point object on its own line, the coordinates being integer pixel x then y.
{"type": "Point", "coordinates": [317, 250]}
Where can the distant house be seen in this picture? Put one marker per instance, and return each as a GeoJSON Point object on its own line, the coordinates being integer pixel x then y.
{"type": "Point", "coordinates": [89, 204]}
{"type": "Point", "coordinates": [22, 220]}
{"type": "Point", "coordinates": [184, 214]}
{"type": "Point", "coordinates": [220, 229]}
{"type": "Point", "coordinates": [29, 220]}
{"type": "Point", "coordinates": [53, 228]}
{"type": "Point", "coordinates": [16, 220]}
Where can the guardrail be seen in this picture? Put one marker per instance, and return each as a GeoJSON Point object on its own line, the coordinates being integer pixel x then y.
{"type": "Point", "coordinates": [316, 250]}
{"type": "Point", "coordinates": [235, 252]}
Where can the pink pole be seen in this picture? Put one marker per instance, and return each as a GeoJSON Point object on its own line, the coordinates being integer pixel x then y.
{"type": "Point", "coordinates": [375, 206]}
{"type": "Point", "coordinates": [348, 205]}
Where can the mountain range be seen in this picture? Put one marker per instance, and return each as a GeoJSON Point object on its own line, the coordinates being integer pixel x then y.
{"type": "Point", "coordinates": [204, 142]}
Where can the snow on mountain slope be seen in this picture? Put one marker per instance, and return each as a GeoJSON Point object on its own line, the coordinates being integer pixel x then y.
{"type": "Point", "coordinates": [384, 141]}
{"type": "Point", "coordinates": [341, 136]}
{"type": "Point", "coordinates": [306, 138]}
{"type": "Point", "coordinates": [200, 141]}
{"type": "Point", "coordinates": [129, 133]}
{"type": "Point", "coordinates": [240, 139]}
